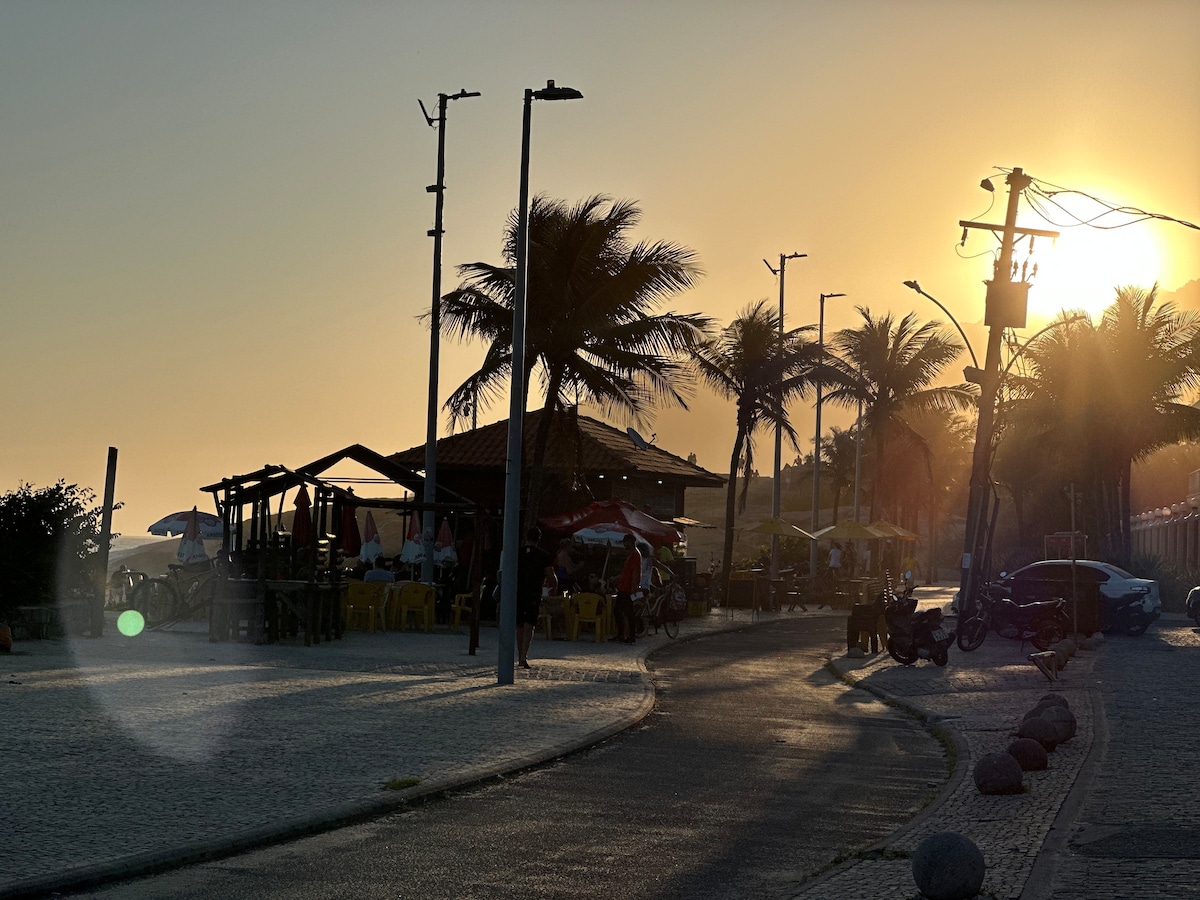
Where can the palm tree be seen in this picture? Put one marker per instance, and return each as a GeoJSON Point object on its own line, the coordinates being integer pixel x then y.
{"type": "Point", "coordinates": [748, 362]}
{"type": "Point", "coordinates": [891, 367]}
{"type": "Point", "coordinates": [839, 450]}
{"type": "Point", "coordinates": [592, 326]}
{"type": "Point", "coordinates": [1107, 395]}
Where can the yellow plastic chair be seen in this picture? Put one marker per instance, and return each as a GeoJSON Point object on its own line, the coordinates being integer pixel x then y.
{"type": "Point", "coordinates": [588, 609]}
{"type": "Point", "coordinates": [417, 598]}
{"type": "Point", "coordinates": [464, 606]}
{"type": "Point", "coordinates": [364, 599]}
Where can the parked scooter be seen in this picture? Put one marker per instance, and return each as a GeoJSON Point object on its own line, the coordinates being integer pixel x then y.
{"type": "Point", "coordinates": [1043, 623]}
{"type": "Point", "coordinates": [915, 635]}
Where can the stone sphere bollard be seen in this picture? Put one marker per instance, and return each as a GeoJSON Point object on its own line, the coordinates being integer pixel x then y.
{"type": "Point", "coordinates": [856, 652]}
{"type": "Point", "coordinates": [1029, 754]}
{"type": "Point", "coordinates": [1045, 733]}
{"type": "Point", "coordinates": [1061, 715]}
{"type": "Point", "coordinates": [1090, 643]}
{"type": "Point", "coordinates": [1054, 700]}
{"type": "Point", "coordinates": [948, 866]}
{"type": "Point", "coordinates": [998, 773]}
{"type": "Point", "coordinates": [1070, 647]}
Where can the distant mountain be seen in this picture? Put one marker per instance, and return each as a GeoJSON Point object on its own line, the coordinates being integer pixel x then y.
{"type": "Point", "coordinates": [1187, 297]}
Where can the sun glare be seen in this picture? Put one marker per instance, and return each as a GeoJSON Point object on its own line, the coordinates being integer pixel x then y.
{"type": "Point", "coordinates": [1083, 268]}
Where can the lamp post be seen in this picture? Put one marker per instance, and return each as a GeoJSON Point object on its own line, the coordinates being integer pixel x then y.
{"type": "Point", "coordinates": [429, 522]}
{"type": "Point", "coordinates": [816, 493]}
{"type": "Point", "coordinates": [776, 494]}
{"type": "Point", "coordinates": [974, 360]}
{"type": "Point", "coordinates": [516, 402]}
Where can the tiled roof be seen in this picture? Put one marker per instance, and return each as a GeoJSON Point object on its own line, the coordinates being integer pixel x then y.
{"type": "Point", "coordinates": [600, 448]}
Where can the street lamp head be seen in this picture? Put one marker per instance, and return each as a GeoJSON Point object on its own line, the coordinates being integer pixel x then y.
{"type": "Point", "coordinates": [553, 92]}
{"type": "Point", "coordinates": [913, 286]}
{"type": "Point", "coordinates": [830, 296]}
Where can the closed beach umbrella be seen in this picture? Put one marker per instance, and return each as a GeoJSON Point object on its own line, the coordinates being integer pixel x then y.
{"type": "Point", "coordinates": [302, 530]}
{"type": "Point", "coordinates": [413, 550]}
{"type": "Point", "coordinates": [191, 547]}
{"type": "Point", "coordinates": [444, 553]}
{"type": "Point", "coordinates": [372, 547]}
{"type": "Point", "coordinates": [351, 539]}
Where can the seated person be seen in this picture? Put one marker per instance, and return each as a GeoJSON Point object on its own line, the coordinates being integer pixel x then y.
{"type": "Point", "coordinates": [379, 572]}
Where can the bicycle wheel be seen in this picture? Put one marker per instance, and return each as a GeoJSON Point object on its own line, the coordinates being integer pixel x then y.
{"type": "Point", "coordinates": [199, 599]}
{"type": "Point", "coordinates": [641, 621]}
{"type": "Point", "coordinates": [157, 600]}
{"type": "Point", "coordinates": [671, 627]}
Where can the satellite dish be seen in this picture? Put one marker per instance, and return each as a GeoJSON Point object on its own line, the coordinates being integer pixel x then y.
{"type": "Point", "coordinates": [638, 441]}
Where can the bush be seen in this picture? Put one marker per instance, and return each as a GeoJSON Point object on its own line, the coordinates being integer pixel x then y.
{"type": "Point", "coordinates": [49, 538]}
{"type": "Point", "coordinates": [1174, 582]}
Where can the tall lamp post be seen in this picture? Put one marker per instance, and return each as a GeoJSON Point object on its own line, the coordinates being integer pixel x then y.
{"type": "Point", "coordinates": [429, 523]}
{"type": "Point", "coordinates": [816, 492]}
{"type": "Point", "coordinates": [516, 402]}
{"type": "Point", "coordinates": [776, 494]}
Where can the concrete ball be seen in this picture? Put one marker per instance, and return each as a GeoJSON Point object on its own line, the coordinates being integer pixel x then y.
{"type": "Point", "coordinates": [1062, 715]}
{"type": "Point", "coordinates": [948, 866]}
{"type": "Point", "coordinates": [1090, 644]}
{"type": "Point", "coordinates": [1044, 732]}
{"type": "Point", "coordinates": [1029, 754]}
{"type": "Point", "coordinates": [856, 653]}
{"type": "Point", "coordinates": [1054, 700]}
{"type": "Point", "coordinates": [998, 773]}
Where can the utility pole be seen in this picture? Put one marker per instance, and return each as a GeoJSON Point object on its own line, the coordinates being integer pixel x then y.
{"type": "Point", "coordinates": [776, 494]}
{"type": "Point", "coordinates": [429, 518]}
{"type": "Point", "coordinates": [1005, 306]}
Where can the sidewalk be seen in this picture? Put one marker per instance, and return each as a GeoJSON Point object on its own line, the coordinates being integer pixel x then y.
{"type": "Point", "coordinates": [126, 755]}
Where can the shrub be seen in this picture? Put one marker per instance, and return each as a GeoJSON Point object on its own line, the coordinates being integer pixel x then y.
{"type": "Point", "coordinates": [49, 538]}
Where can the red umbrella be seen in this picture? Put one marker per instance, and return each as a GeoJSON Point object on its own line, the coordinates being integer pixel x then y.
{"type": "Point", "coordinates": [351, 539]}
{"type": "Point", "coordinates": [302, 530]}
{"type": "Point", "coordinates": [616, 512]}
{"type": "Point", "coordinates": [443, 550]}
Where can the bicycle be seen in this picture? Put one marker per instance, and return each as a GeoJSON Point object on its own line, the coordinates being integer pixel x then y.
{"type": "Point", "coordinates": [183, 593]}
{"type": "Point", "coordinates": [665, 606]}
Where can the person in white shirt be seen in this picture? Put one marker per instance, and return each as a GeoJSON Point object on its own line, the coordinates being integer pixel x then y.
{"type": "Point", "coordinates": [379, 572]}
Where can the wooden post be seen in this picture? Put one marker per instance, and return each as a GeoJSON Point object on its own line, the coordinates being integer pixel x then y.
{"type": "Point", "coordinates": [96, 628]}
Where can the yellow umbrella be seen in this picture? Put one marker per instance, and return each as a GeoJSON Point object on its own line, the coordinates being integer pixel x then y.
{"type": "Point", "coordinates": [893, 531]}
{"type": "Point", "coordinates": [849, 531]}
{"type": "Point", "coordinates": [781, 528]}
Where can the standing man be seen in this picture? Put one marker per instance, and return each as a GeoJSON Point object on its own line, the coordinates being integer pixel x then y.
{"type": "Point", "coordinates": [835, 562]}
{"type": "Point", "coordinates": [627, 582]}
{"type": "Point", "coordinates": [534, 566]}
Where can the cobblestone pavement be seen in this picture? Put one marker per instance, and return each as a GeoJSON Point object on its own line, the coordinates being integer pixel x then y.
{"type": "Point", "coordinates": [123, 754]}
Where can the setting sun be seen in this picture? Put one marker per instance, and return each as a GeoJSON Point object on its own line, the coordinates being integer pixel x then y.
{"type": "Point", "coordinates": [1082, 269]}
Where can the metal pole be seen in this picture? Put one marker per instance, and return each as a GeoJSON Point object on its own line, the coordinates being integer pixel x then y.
{"type": "Point", "coordinates": [857, 452]}
{"type": "Point", "coordinates": [1074, 573]}
{"type": "Point", "coordinates": [776, 493]}
{"type": "Point", "coordinates": [96, 619]}
{"type": "Point", "coordinates": [816, 473]}
{"type": "Point", "coordinates": [510, 549]}
{"type": "Point", "coordinates": [429, 523]}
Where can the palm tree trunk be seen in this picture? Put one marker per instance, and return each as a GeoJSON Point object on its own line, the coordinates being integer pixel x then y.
{"type": "Point", "coordinates": [1123, 513]}
{"type": "Point", "coordinates": [730, 509]}
{"type": "Point", "coordinates": [541, 440]}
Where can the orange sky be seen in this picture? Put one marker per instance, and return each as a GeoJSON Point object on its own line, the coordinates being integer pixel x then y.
{"type": "Point", "coordinates": [214, 215]}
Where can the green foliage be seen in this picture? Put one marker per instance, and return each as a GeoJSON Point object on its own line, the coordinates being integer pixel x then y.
{"type": "Point", "coordinates": [1174, 582]}
{"type": "Point", "coordinates": [49, 538]}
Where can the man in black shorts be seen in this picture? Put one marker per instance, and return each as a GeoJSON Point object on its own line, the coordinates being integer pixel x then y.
{"type": "Point", "coordinates": [534, 565]}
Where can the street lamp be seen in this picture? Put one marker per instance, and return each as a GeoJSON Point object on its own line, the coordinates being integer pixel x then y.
{"type": "Point", "coordinates": [429, 523]}
{"type": "Point", "coordinates": [974, 360]}
{"type": "Point", "coordinates": [516, 402]}
{"type": "Point", "coordinates": [776, 494]}
{"type": "Point", "coordinates": [816, 493]}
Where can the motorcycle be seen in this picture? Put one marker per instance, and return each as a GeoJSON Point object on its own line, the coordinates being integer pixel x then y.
{"type": "Point", "coordinates": [915, 635]}
{"type": "Point", "coordinates": [1043, 623]}
{"type": "Point", "coordinates": [1128, 614]}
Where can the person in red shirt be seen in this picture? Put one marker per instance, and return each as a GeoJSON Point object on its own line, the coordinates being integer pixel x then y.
{"type": "Point", "coordinates": [627, 582]}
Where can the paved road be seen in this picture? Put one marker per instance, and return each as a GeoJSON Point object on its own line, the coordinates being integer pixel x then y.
{"type": "Point", "coordinates": [756, 769]}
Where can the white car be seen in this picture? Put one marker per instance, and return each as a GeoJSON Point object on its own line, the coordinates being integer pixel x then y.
{"type": "Point", "coordinates": [1117, 589]}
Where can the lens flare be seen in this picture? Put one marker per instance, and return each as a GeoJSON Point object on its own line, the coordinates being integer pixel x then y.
{"type": "Point", "coordinates": [131, 623]}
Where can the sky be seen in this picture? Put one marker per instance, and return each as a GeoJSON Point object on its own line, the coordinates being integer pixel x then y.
{"type": "Point", "coordinates": [213, 214]}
